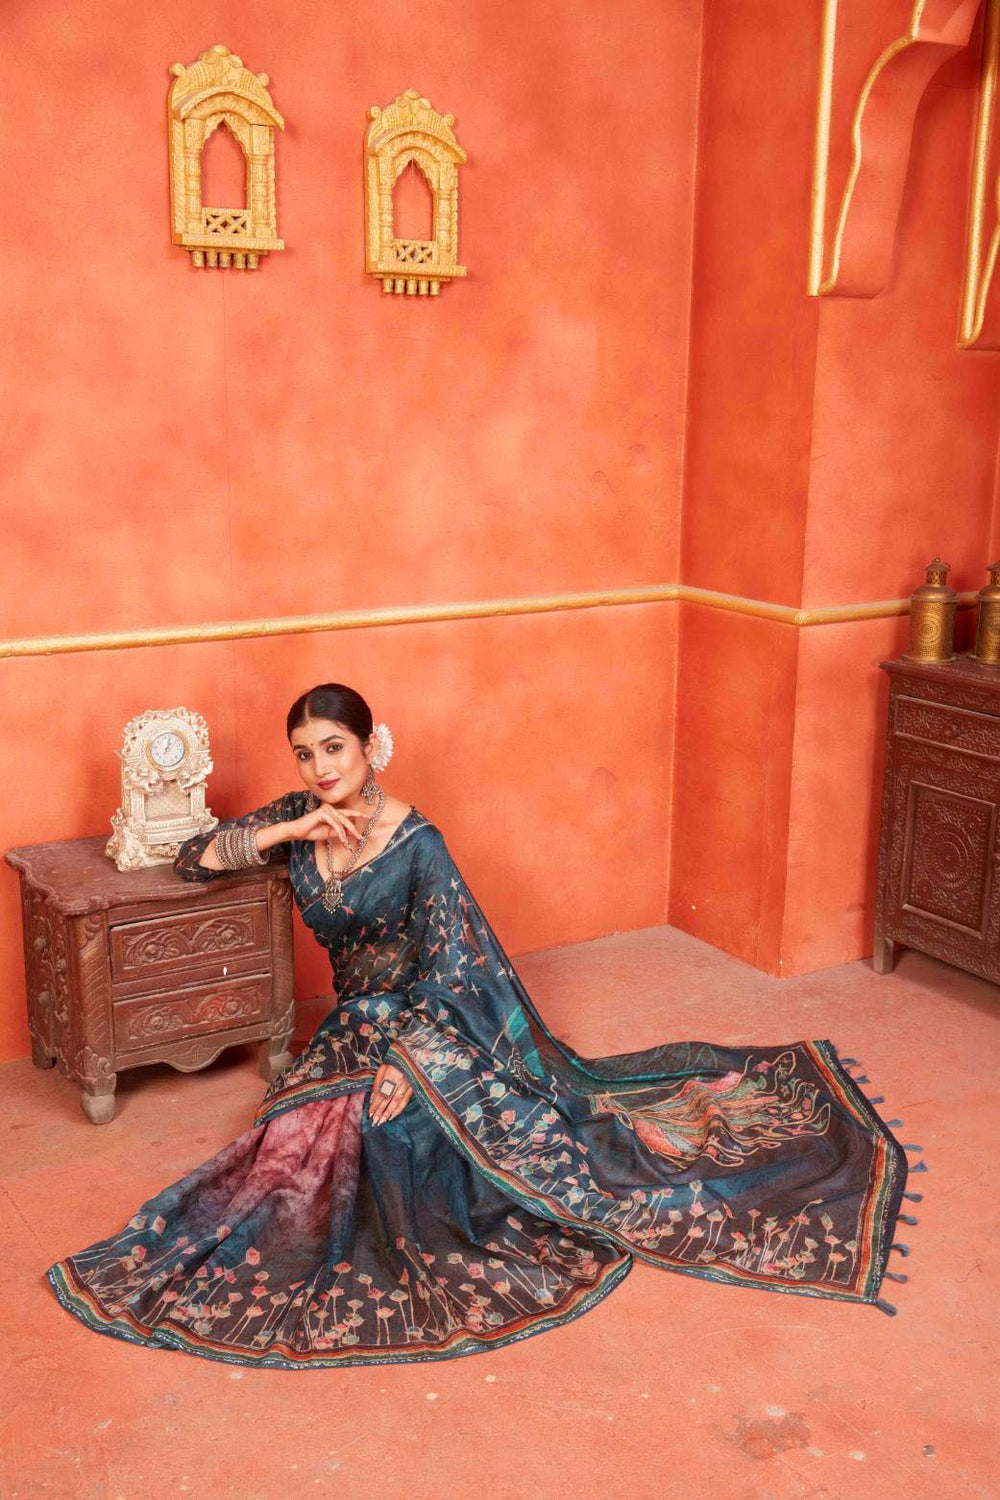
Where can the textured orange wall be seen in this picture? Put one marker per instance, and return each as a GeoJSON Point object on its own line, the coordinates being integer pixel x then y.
{"type": "Point", "coordinates": [835, 446]}
{"type": "Point", "coordinates": [186, 446]}
{"type": "Point", "coordinates": [753, 350]}
{"type": "Point", "coordinates": [905, 448]}
{"type": "Point", "coordinates": [183, 446]}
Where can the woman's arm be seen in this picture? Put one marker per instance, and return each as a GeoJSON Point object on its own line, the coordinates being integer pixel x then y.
{"type": "Point", "coordinates": [197, 860]}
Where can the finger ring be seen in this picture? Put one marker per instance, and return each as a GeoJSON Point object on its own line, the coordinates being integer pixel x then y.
{"type": "Point", "coordinates": [386, 1087]}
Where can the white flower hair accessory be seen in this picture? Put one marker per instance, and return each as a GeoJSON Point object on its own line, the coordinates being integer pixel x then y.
{"type": "Point", "coordinates": [382, 753]}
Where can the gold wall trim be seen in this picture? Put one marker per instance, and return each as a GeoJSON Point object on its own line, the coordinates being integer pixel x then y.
{"type": "Point", "coordinates": [979, 265]}
{"type": "Point", "coordinates": [421, 614]}
{"type": "Point", "coordinates": [861, 245]}
{"type": "Point", "coordinates": [821, 157]}
{"type": "Point", "coordinates": [787, 614]}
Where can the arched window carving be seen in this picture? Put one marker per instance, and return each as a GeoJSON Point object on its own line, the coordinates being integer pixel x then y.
{"type": "Point", "coordinates": [412, 205]}
{"type": "Point", "coordinates": [223, 168]}
{"type": "Point", "coordinates": [218, 89]}
{"type": "Point", "coordinates": [409, 130]}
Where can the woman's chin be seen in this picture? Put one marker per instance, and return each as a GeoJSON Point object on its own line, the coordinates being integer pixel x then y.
{"type": "Point", "coordinates": [333, 795]}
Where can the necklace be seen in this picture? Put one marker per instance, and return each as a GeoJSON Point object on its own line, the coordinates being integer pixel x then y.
{"type": "Point", "coordinates": [333, 893]}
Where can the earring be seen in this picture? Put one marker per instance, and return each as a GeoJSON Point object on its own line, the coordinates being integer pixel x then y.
{"type": "Point", "coordinates": [370, 789]}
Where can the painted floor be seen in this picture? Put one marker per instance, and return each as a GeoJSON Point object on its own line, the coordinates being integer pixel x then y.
{"type": "Point", "coordinates": [672, 1388]}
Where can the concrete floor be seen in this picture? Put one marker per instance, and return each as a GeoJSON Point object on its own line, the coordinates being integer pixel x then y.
{"type": "Point", "coordinates": [671, 1387]}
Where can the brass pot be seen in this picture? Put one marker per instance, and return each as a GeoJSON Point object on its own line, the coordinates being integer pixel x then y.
{"type": "Point", "coordinates": [988, 623]}
{"type": "Point", "coordinates": [932, 617]}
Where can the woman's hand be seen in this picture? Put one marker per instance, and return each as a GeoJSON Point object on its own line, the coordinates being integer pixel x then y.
{"type": "Point", "coordinates": [382, 1107]}
{"type": "Point", "coordinates": [325, 822]}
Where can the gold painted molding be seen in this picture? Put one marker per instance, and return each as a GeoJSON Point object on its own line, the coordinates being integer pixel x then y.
{"type": "Point", "coordinates": [980, 267]}
{"type": "Point", "coordinates": [788, 614]}
{"type": "Point", "coordinates": [861, 247]}
{"type": "Point", "coordinates": [420, 614]}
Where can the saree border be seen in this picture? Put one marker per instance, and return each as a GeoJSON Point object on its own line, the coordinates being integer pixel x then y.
{"type": "Point", "coordinates": [75, 1298]}
{"type": "Point", "coordinates": [309, 1092]}
{"type": "Point", "coordinates": [883, 1193]}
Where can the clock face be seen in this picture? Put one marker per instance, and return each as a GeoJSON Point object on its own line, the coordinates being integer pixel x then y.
{"type": "Point", "coordinates": [167, 749]}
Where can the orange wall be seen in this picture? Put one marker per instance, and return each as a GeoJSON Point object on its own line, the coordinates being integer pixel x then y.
{"type": "Point", "coordinates": [184, 446]}
{"type": "Point", "coordinates": [835, 447]}
{"type": "Point", "coordinates": [753, 352]}
{"type": "Point", "coordinates": [632, 386]}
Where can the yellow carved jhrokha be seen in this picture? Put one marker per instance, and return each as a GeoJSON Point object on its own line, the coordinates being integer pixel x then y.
{"type": "Point", "coordinates": [219, 90]}
{"type": "Point", "coordinates": [410, 130]}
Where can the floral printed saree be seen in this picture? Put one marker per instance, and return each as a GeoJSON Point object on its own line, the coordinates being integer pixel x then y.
{"type": "Point", "coordinates": [520, 1183]}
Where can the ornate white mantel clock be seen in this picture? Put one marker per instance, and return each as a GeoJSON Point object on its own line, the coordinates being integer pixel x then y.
{"type": "Point", "coordinates": [165, 764]}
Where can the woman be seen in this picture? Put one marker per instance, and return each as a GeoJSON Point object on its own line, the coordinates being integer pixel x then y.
{"type": "Point", "coordinates": [435, 1174]}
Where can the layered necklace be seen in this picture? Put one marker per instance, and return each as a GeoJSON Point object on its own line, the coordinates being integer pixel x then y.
{"type": "Point", "coordinates": [333, 892]}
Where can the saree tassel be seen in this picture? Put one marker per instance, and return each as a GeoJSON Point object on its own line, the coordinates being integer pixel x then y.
{"type": "Point", "coordinates": [907, 1219]}
{"type": "Point", "coordinates": [885, 1307]}
{"type": "Point", "coordinates": [897, 1276]}
{"type": "Point", "coordinates": [891, 1123]}
{"type": "Point", "coordinates": [904, 1250]}
{"type": "Point", "coordinates": [876, 1099]}
{"type": "Point", "coordinates": [919, 1166]}
{"type": "Point", "coordinates": [860, 1078]}
{"type": "Point", "coordinates": [911, 1146]}
{"type": "Point", "coordinates": [914, 1197]}
{"type": "Point", "coordinates": [849, 1062]}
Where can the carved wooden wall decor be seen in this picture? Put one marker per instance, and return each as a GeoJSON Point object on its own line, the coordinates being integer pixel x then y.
{"type": "Point", "coordinates": [852, 257]}
{"type": "Point", "coordinates": [215, 91]}
{"type": "Point", "coordinates": [410, 130]}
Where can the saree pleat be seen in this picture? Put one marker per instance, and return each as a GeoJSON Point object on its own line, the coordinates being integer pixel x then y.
{"type": "Point", "coordinates": [519, 1184]}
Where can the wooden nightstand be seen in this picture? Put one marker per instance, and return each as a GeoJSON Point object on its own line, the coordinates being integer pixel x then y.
{"type": "Point", "coordinates": [124, 969]}
{"type": "Point", "coordinates": [937, 877]}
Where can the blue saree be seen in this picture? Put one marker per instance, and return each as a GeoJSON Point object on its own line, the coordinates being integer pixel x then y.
{"type": "Point", "coordinates": [519, 1184]}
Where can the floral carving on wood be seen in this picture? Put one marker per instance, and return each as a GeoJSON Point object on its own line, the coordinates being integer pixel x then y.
{"type": "Point", "coordinates": [218, 90]}
{"type": "Point", "coordinates": [210, 1011]}
{"type": "Point", "coordinates": [411, 130]}
{"type": "Point", "coordinates": [187, 939]}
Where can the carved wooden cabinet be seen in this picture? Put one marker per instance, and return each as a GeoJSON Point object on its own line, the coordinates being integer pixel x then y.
{"type": "Point", "coordinates": [124, 969]}
{"type": "Point", "coordinates": [937, 876]}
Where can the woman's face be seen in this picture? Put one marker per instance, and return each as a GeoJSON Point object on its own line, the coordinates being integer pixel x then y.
{"type": "Point", "coordinates": [330, 759]}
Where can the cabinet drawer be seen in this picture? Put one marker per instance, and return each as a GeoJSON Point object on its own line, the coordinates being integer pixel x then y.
{"type": "Point", "coordinates": [220, 943]}
{"type": "Point", "coordinates": [957, 728]}
{"type": "Point", "coordinates": [143, 1022]}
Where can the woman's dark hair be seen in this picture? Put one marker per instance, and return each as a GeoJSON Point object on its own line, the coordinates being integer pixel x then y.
{"type": "Point", "coordinates": [332, 700]}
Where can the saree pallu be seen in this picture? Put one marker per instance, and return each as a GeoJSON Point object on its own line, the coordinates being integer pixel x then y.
{"type": "Point", "coordinates": [520, 1183]}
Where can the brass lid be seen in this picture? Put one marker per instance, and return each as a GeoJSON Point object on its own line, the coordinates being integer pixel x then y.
{"type": "Point", "coordinates": [936, 586]}
{"type": "Point", "coordinates": [992, 589]}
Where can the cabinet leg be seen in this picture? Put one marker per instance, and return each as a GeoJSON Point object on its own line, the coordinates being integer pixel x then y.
{"type": "Point", "coordinates": [884, 956]}
{"type": "Point", "coordinates": [273, 1057]}
{"type": "Point", "coordinates": [39, 1056]}
{"type": "Point", "coordinates": [98, 1101]}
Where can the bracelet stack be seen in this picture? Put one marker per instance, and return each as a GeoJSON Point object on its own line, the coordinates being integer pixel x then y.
{"type": "Point", "coordinates": [236, 847]}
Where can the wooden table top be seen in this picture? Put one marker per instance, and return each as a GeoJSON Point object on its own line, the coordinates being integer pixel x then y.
{"type": "Point", "coordinates": [79, 877]}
